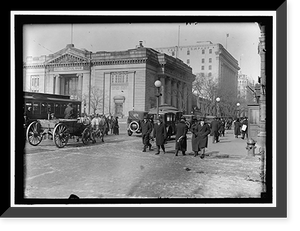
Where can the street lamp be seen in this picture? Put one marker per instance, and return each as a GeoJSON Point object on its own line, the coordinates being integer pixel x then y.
{"type": "Point", "coordinates": [217, 106]}
{"type": "Point", "coordinates": [157, 84]}
{"type": "Point", "coordinates": [238, 110]}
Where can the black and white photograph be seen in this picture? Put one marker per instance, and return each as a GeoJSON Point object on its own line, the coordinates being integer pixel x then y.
{"type": "Point", "coordinates": [136, 110]}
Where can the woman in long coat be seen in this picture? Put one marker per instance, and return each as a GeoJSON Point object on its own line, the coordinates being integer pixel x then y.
{"type": "Point", "coordinates": [160, 134]}
{"type": "Point", "coordinates": [200, 137]}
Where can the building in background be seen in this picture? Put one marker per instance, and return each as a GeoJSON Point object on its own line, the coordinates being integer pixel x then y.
{"type": "Point", "coordinates": [209, 59]}
{"type": "Point", "coordinates": [111, 82]}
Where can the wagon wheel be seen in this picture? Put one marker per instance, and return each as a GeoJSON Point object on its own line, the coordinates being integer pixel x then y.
{"type": "Point", "coordinates": [86, 135]}
{"type": "Point", "coordinates": [60, 135]}
{"type": "Point", "coordinates": [34, 133]}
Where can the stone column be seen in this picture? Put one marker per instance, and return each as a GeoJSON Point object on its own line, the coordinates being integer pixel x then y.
{"type": "Point", "coordinates": [57, 85]}
{"type": "Point", "coordinates": [180, 96]}
{"type": "Point", "coordinates": [174, 93]}
{"type": "Point", "coordinates": [185, 100]}
{"type": "Point", "coordinates": [168, 91]}
{"type": "Point", "coordinates": [79, 86]}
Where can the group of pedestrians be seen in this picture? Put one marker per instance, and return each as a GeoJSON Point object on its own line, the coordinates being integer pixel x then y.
{"type": "Point", "coordinates": [200, 131]}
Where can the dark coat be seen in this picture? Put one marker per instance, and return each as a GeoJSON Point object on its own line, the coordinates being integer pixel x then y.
{"type": "Point", "coordinates": [215, 127]}
{"type": "Point", "coordinates": [237, 128]}
{"type": "Point", "coordinates": [146, 128]}
{"type": "Point", "coordinates": [200, 136]}
{"type": "Point", "coordinates": [160, 133]}
{"type": "Point", "coordinates": [69, 112]}
{"type": "Point", "coordinates": [181, 130]}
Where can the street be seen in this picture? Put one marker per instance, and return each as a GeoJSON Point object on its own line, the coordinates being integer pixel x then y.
{"type": "Point", "coordinates": [118, 168]}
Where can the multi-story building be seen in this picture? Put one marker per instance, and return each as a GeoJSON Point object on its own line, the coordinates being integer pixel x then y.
{"type": "Point", "coordinates": [208, 59]}
{"type": "Point", "coordinates": [111, 82]}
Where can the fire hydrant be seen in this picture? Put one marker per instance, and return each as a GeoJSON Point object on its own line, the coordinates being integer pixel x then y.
{"type": "Point", "coordinates": [251, 147]}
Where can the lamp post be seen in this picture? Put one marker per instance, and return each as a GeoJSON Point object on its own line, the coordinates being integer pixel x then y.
{"type": "Point", "coordinates": [238, 110]}
{"type": "Point", "coordinates": [218, 106]}
{"type": "Point", "coordinates": [157, 84]}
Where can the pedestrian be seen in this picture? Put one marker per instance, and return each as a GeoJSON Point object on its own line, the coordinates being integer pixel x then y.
{"type": "Point", "coordinates": [245, 128]}
{"type": "Point", "coordinates": [181, 139]}
{"type": "Point", "coordinates": [160, 135]}
{"type": "Point", "coordinates": [215, 127]}
{"type": "Point", "coordinates": [116, 126]}
{"type": "Point", "coordinates": [200, 131]}
{"type": "Point", "coordinates": [146, 129]}
{"type": "Point", "coordinates": [69, 112]}
{"type": "Point", "coordinates": [222, 127]}
{"type": "Point", "coordinates": [237, 127]}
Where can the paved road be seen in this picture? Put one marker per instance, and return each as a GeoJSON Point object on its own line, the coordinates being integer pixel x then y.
{"type": "Point", "coordinates": [118, 169]}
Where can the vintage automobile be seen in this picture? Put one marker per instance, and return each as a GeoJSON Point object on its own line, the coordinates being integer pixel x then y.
{"type": "Point", "coordinates": [170, 115]}
{"type": "Point", "coordinates": [134, 121]}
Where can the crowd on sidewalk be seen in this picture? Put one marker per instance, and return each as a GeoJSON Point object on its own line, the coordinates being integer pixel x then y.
{"type": "Point", "coordinates": [200, 130]}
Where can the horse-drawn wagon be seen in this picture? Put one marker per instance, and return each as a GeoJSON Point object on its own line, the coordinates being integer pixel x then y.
{"type": "Point", "coordinates": [60, 130]}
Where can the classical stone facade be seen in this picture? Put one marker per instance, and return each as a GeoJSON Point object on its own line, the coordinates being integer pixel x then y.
{"type": "Point", "coordinates": [111, 82]}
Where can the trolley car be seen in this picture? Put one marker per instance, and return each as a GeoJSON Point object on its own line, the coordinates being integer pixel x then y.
{"type": "Point", "coordinates": [44, 116]}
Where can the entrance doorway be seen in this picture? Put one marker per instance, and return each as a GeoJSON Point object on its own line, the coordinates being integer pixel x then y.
{"type": "Point", "coordinates": [119, 101]}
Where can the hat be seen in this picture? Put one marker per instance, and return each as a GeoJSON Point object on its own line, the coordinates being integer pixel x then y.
{"type": "Point", "coordinates": [182, 118]}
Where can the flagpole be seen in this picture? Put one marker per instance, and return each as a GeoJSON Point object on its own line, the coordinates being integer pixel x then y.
{"type": "Point", "coordinates": [72, 33]}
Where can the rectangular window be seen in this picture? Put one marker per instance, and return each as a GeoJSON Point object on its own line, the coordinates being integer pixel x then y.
{"type": "Point", "coordinates": [203, 60]}
{"type": "Point", "coordinates": [36, 108]}
{"type": "Point", "coordinates": [119, 77]}
{"type": "Point", "coordinates": [209, 74]}
{"type": "Point", "coordinates": [209, 67]}
{"type": "Point", "coordinates": [210, 51]}
{"type": "Point", "coordinates": [202, 68]}
{"type": "Point", "coordinates": [203, 51]}
{"type": "Point", "coordinates": [188, 61]}
{"type": "Point", "coordinates": [210, 60]}
{"type": "Point", "coordinates": [188, 52]}
{"type": "Point", "coordinates": [35, 83]}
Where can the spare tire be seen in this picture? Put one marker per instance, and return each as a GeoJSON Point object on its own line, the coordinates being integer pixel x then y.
{"type": "Point", "coordinates": [134, 126]}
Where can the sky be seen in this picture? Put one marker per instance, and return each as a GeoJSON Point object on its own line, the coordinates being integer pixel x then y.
{"type": "Point", "coordinates": [242, 41]}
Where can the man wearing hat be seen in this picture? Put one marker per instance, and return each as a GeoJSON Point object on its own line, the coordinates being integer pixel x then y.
{"type": "Point", "coordinates": [160, 135]}
{"type": "Point", "coordinates": [180, 139]}
{"type": "Point", "coordinates": [200, 131]}
{"type": "Point", "coordinates": [69, 111]}
{"type": "Point", "coordinates": [146, 128]}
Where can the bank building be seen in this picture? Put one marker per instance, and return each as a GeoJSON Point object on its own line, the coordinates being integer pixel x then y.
{"type": "Point", "coordinates": [112, 82]}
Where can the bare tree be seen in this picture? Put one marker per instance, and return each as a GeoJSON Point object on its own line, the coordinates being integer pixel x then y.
{"type": "Point", "coordinates": [96, 100]}
{"type": "Point", "coordinates": [206, 87]}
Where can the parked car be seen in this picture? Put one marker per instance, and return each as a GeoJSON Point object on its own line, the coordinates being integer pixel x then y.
{"type": "Point", "coordinates": [134, 121]}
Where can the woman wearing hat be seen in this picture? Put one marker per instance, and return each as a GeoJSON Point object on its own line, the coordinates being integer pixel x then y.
{"type": "Point", "coordinates": [200, 132]}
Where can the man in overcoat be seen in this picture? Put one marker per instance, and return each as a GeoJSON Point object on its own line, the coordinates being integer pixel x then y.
{"type": "Point", "coordinates": [69, 112]}
{"type": "Point", "coordinates": [215, 127]}
{"type": "Point", "coordinates": [146, 129]}
{"type": "Point", "coordinates": [180, 139]}
{"type": "Point", "coordinates": [160, 134]}
{"type": "Point", "coordinates": [200, 131]}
